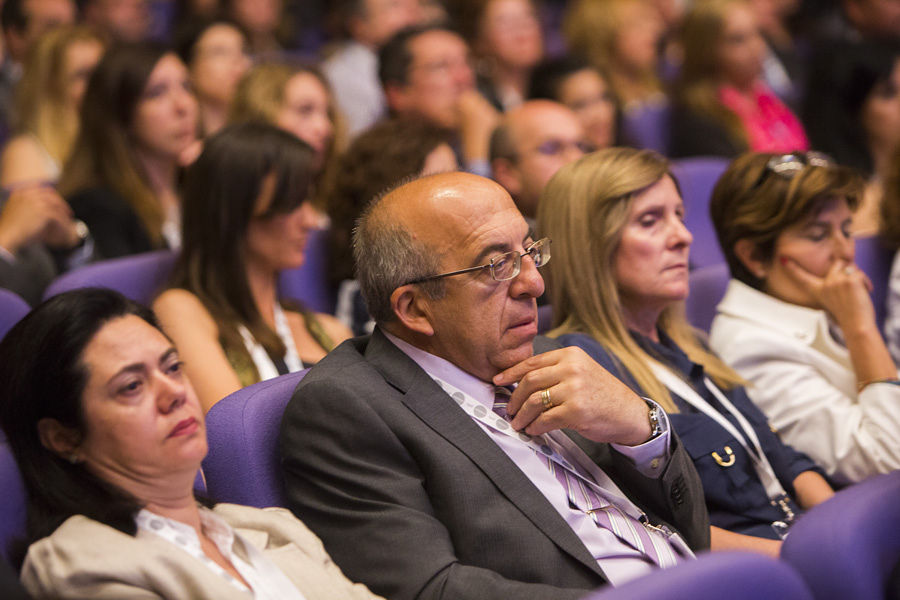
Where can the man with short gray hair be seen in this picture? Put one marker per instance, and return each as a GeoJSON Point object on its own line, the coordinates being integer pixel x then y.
{"type": "Point", "coordinates": [438, 458]}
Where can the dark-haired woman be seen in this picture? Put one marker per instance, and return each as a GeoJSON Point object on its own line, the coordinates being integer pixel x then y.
{"type": "Point", "coordinates": [245, 218]}
{"type": "Point", "coordinates": [109, 447]}
{"type": "Point", "coordinates": [137, 118]}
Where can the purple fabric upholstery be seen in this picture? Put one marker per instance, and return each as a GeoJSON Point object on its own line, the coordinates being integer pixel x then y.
{"type": "Point", "coordinates": [875, 260]}
{"type": "Point", "coordinates": [707, 287]}
{"type": "Point", "coordinates": [731, 575]}
{"type": "Point", "coordinates": [846, 547]}
{"type": "Point", "coordinates": [12, 500]}
{"type": "Point", "coordinates": [309, 283]}
{"type": "Point", "coordinates": [139, 277]}
{"type": "Point", "coordinates": [243, 463]}
{"type": "Point", "coordinates": [12, 309]}
{"type": "Point", "coordinates": [545, 318]}
{"type": "Point", "coordinates": [697, 177]}
{"type": "Point", "coordinates": [647, 127]}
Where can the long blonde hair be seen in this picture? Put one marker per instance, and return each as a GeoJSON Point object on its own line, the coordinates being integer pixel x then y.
{"type": "Point", "coordinates": [697, 87]}
{"type": "Point", "coordinates": [591, 29]}
{"type": "Point", "coordinates": [584, 209]}
{"type": "Point", "coordinates": [42, 102]}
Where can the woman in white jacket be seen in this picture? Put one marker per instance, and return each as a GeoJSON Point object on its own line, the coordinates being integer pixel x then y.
{"type": "Point", "coordinates": [797, 320]}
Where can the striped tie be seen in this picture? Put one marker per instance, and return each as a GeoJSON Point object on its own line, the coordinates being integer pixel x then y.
{"type": "Point", "coordinates": [651, 544]}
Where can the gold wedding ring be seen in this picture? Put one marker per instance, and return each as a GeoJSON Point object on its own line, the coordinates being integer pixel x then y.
{"type": "Point", "coordinates": [545, 399]}
{"type": "Point", "coordinates": [848, 270]}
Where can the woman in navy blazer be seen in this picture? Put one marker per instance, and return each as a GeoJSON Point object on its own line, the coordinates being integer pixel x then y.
{"type": "Point", "coordinates": [617, 283]}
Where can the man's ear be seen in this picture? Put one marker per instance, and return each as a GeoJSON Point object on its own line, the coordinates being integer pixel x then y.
{"type": "Point", "coordinates": [412, 308]}
{"type": "Point", "coordinates": [748, 253]}
{"type": "Point", "coordinates": [507, 174]}
{"type": "Point", "coordinates": [59, 439]}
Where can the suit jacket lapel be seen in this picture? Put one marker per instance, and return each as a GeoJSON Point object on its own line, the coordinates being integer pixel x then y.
{"type": "Point", "coordinates": [429, 402]}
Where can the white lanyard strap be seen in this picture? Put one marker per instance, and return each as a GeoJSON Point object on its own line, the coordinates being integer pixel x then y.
{"type": "Point", "coordinates": [265, 367]}
{"type": "Point", "coordinates": [748, 438]}
{"type": "Point", "coordinates": [542, 445]}
{"type": "Point", "coordinates": [291, 357]}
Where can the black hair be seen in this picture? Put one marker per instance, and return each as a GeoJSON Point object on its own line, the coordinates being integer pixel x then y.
{"type": "Point", "coordinates": [394, 57]}
{"type": "Point", "coordinates": [190, 31]}
{"type": "Point", "coordinates": [218, 204]}
{"type": "Point", "coordinates": [42, 375]}
{"type": "Point", "coordinates": [549, 75]}
{"type": "Point", "coordinates": [13, 16]}
{"type": "Point", "coordinates": [840, 82]}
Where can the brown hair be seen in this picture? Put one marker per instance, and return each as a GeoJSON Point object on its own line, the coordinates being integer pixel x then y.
{"type": "Point", "coordinates": [103, 153]}
{"type": "Point", "coordinates": [697, 87]}
{"type": "Point", "coordinates": [377, 160]}
{"type": "Point", "coordinates": [584, 209]}
{"type": "Point", "coordinates": [751, 202]}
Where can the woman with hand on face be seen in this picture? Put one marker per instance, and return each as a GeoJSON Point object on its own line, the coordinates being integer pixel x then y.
{"type": "Point", "coordinates": [109, 435]}
{"type": "Point", "coordinates": [617, 282]}
{"type": "Point", "coordinates": [246, 218]}
{"type": "Point", "coordinates": [797, 321]}
{"type": "Point", "coordinates": [137, 118]}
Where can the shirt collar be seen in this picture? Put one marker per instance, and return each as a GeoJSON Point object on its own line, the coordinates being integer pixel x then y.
{"type": "Point", "coordinates": [745, 302]}
{"type": "Point", "coordinates": [440, 368]}
{"type": "Point", "coordinates": [183, 534]}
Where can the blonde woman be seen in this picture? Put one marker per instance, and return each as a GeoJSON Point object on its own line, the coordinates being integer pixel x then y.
{"type": "Point", "coordinates": [621, 38]}
{"type": "Point", "coordinates": [48, 98]}
{"type": "Point", "coordinates": [617, 283]}
{"type": "Point", "coordinates": [295, 98]}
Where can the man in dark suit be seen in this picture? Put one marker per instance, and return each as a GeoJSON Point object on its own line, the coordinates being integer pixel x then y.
{"type": "Point", "coordinates": [393, 455]}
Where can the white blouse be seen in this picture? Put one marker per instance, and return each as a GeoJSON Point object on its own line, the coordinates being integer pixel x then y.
{"type": "Point", "coordinates": [803, 380]}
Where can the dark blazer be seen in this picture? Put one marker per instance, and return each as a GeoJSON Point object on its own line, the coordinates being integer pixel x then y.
{"type": "Point", "coordinates": [115, 226]}
{"type": "Point", "coordinates": [413, 499]}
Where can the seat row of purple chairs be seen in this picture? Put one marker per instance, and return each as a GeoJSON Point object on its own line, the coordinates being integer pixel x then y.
{"type": "Point", "coordinates": [844, 548]}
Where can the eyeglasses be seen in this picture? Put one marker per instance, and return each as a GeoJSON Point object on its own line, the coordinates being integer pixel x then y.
{"type": "Point", "coordinates": [787, 166]}
{"type": "Point", "coordinates": [504, 266]}
{"type": "Point", "coordinates": [557, 147]}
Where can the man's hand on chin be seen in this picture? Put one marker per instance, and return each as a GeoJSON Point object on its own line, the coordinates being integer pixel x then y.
{"type": "Point", "coordinates": [567, 389]}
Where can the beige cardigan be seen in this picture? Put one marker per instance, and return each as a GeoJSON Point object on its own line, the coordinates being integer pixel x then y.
{"type": "Point", "coordinates": [86, 559]}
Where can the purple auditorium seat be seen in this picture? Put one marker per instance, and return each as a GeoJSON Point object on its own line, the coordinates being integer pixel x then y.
{"type": "Point", "coordinates": [242, 465]}
{"type": "Point", "coordinates": [139, 277]}
{"type": "Point", "coordinates": [847, 546]}
{"type": "Point", "coordinates": [697, 177]}
{"type": "Point", "coordinates": [875, 259]}
{"type": "Point", "coordinates": [12, 309]}
{"type": "Point", "coordinates": [12, 500]}
{"type": "Point", "coordinates": [309, 283]}
{"type": "Point", "coordinates": [707, 287]}
{"type": "Point", "coordinates": [731, 575]}
{"type": "Point", "coordinates": [647, 127]}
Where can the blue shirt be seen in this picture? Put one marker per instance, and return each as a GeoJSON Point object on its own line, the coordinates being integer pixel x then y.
{"type": "Point", "coordinates": [735, 496]}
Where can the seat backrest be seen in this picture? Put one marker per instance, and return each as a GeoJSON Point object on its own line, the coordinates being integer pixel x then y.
{"type": "Point", "coordinates": [647, 127]}
{"type": "Point", "coordinates": [875, 259]}
{"type": "Point", "coordinates": [697, 177]}
{"type": "Point", "coordinates": [707, 288]}
{"type": "Point", "coordinates": [309, 283]}
{"type": "Point", "coordinates": [732, 575]}
{"type": "Point", "coordinates": [847, 546]}
{"type": "Point", "coordinates": [139, 277]}
{"type": "Point", "coordinates": [12, 500]}
{"type": "Point", "coordinates": [12, 309]}
{"type": "Point", "coordinates": [243, 463]}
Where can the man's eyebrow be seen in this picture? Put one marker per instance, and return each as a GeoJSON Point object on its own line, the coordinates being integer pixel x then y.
{"type": "Point", "coordinates": [494, 249]}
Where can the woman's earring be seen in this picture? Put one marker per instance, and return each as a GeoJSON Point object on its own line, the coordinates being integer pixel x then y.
{"type": "Point", "coordinates": [74, 459]}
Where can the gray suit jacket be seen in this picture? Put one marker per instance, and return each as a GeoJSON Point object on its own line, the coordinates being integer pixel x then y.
{"type": "Point", "coordinates": [413, 499]}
